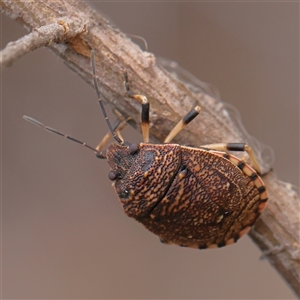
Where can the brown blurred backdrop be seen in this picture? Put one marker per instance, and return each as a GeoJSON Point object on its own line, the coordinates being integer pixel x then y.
{"type": "Point", "coordinates": [64, 233]}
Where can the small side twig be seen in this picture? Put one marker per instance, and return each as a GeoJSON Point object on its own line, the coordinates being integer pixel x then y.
{"type": "Point", "coordinates": [57, 31]}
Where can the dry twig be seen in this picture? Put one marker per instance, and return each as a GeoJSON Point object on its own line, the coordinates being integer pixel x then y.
{"type": "Point", "coordinates": [56, 32]}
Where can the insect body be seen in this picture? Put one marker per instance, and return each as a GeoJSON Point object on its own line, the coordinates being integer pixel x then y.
{"type": "Point", "coordinates": [193, 197]}
{"type": "Point", "coordinates": [187, 196]}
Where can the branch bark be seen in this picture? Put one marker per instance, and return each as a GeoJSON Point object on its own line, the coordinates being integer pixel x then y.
{"type": "Point", "coordinates": [59, 31]}
{"type": "Point", "coordinates": [277, 230]}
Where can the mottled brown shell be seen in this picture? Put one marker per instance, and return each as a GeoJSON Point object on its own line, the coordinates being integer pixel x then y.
{"type": "Point", "coordinates": [187, 196]}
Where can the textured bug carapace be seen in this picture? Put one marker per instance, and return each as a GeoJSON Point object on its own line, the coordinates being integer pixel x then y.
{"type": "Point", "coordinates": [194, 197]}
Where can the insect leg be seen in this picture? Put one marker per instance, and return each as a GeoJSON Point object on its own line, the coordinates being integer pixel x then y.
{"type": "Point", "coordinates": [119, 124]}
{"type": "Point", "coordinates": [145, 109]}
{"type": "Point", "coordinates": [236, 147]}
{"type": "Point", "coordinates": [182, 123]}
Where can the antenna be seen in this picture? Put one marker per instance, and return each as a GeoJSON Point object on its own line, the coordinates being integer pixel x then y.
{"type": "Point", "coordinates": [38, 123]}
{"type": "Point", "coordinates": [112, 129]}
{"type": "Point", "coordinates": [100, 101]}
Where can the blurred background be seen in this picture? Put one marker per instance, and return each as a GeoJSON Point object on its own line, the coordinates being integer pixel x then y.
{"type": "Point", "coordinates": [64, 234]}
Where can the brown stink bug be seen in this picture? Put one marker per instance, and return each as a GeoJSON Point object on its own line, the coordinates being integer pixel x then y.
{"type": "Point", "coordinates": [193, 197]}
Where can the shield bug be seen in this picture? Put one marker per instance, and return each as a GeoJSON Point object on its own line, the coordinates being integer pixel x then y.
{"type": "Point", "coordinates": [193, 197]}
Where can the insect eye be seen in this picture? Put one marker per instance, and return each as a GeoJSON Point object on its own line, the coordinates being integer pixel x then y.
{"type": "Point", "coordinates": [133, 148]}
{"type": "Point", "coordinates": [124, 194]}
{"type": "Point", "coordinates": [112, 176]}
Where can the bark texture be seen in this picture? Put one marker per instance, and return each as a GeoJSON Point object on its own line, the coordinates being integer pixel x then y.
{"type": "Point", "coordinates": [75, 29]}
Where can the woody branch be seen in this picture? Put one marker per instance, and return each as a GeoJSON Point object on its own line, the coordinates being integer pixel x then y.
{"type": "Point", "coordinates": [55, 32]}
{"type": "Point", "coordinates": [56, 25]}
